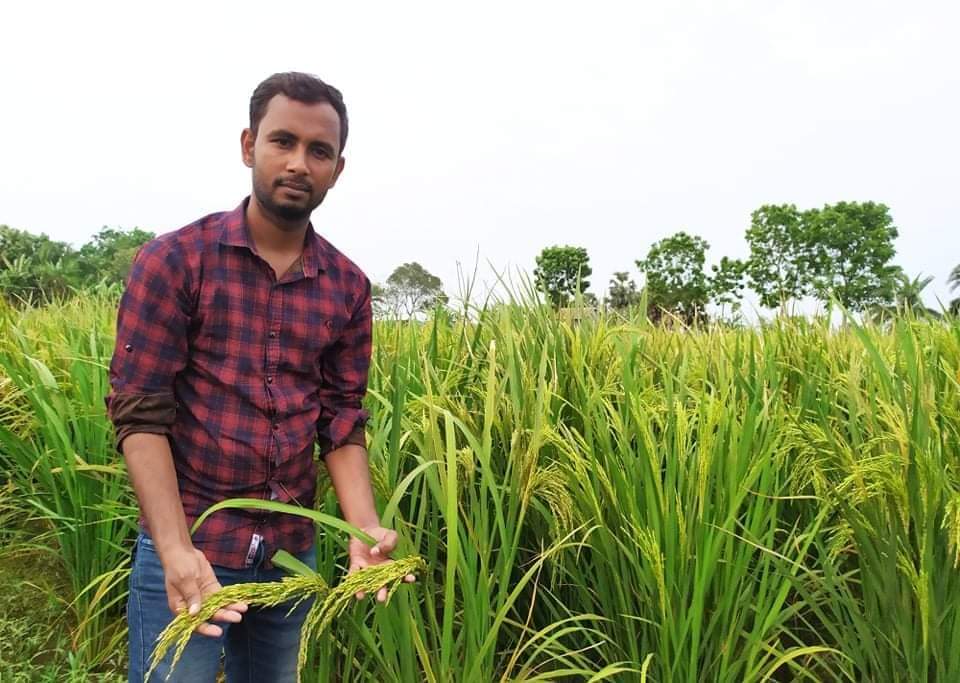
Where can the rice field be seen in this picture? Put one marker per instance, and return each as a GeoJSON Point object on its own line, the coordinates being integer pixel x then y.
{"type": "Point", "coordinates": [599, 499]}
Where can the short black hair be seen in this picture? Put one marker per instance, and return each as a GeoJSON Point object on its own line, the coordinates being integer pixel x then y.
{"type": "Point", "coordinates": [301, 87]}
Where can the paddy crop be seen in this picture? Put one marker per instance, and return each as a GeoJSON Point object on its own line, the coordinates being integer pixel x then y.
{"type": "Point", "coordinates": [595, 498]}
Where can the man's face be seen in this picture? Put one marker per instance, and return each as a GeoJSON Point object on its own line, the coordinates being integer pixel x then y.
{"type": "Point", "coordinates": [295, 157]}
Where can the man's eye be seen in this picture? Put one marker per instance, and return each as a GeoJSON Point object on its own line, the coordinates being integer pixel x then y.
{"type": "Point", "coordinates": [320, 152]}
{"type": "Point", "coordinates": [282, 142]}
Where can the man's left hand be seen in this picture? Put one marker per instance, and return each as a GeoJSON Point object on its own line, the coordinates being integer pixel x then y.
{"type": "Point", "coordinates": [363, 555]}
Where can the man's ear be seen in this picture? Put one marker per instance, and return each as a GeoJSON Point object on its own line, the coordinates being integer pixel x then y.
{"type": "Point", "coordinates": [247, 138]}
{"type": "Point", "coordinates": [336, 174]}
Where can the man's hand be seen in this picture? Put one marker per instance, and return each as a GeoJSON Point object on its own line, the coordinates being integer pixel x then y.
{"type": "Point", "coordinates": [189, 579]}
{"type": "Point", "coordinates": [363, 555]}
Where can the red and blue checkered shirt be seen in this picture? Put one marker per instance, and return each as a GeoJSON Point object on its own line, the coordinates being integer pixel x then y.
{"type": "Point", "coordinates": [243, 372]}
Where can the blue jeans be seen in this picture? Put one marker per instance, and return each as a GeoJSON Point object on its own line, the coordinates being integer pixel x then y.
{"type": "Point", "coordinates": [262, 648]}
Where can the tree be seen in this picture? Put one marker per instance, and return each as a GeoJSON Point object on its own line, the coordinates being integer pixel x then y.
{"type": "Point", "coordinates": [909, 293]}
{"type": "Point", "coordinates": [108, 256]}
{"type": "Point", "coordinates": [675, 280]}
{"type": "Point", "coordinates": [623, 291]}
{"type": "Point", "coordinates": [30, 282]}
{"type": "Point", "coordinates": [561, 272]}
{"type": "Point", "coordinates": [380, 302]}
{"type": "Point", "coordinates": [727, 283]}
{"type": "Point", "coordinates": [778, 267]}
{"type": "Point", "coordinates": [34, 268]}
{"type": "Point", "coordinates": [908, 296]}
{"type": "Point", "coordinates": [410, 289]}
{"type": "Point", "coordinates": [851, 249]}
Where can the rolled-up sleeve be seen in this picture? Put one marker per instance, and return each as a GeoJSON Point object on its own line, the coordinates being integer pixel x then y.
{"type": "Point", "coordinates": [345, 369]}
{"type": "Point", "coordinates": [151, 345]}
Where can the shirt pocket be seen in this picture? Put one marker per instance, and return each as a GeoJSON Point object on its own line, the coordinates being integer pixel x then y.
{"type": "Point", "coordinates": [226, 331]}
{"type": "Point", "coordinates": [217, 310]}
{"type": "Point", "coordinates": [310, 336]}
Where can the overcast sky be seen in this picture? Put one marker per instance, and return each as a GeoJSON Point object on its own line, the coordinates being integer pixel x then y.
{"type": "Point", "coordinates": [495, 128]}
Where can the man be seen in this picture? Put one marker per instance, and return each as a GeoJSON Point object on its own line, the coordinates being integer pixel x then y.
{"type": "Point", "coordinates": [242, 339]}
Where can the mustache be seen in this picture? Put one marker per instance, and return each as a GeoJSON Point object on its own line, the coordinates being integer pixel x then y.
{"type": "Point", "coordinates": [293, 183]}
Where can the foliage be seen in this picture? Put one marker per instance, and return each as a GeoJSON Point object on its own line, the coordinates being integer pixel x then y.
{"type": "Point", "coordinates": [677, 284]}
{"type": "Point", "coordinates": [328, 603]}
{"type": "Point", "coordinates": [675, 280]}
{"type": "Point", "coordinates": [623, 292]}
{"type": "Point", "coordinates": [851, 249]}
{"type": "Point", "coordinates": [727, 282]}
{"type": "Point", "coordinates": [778, 267]}
{"type": "Point", "coordinates": [56, 446]}
{"type": "Point", "coordinates": [27, 281]}
{"type": "Point", "coordinates": [843, 250]}
{"type": "Point", "coordinates": [753, 504]}
{"type": "Point", "coordinates": [908, 297]}
{"type": "Point", "coordinates": [410, 289]}
{"type": "Point", "coordinates": [561, 272]}
{"type": "Point", "coordinates": [108, 255]}
{"type": "Point", "coordinates": [379, 302]}
{"type": "Point", "coordinates": [34, 626]}
{"type": "Point", "coordinates": [35, 269]}
{"type": "Point", "coordinates": [16, 244]}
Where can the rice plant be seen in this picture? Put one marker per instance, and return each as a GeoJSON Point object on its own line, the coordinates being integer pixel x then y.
{"type": "Point", "coordinates": [593, 497]}
{"type": "Point", "coordinates": [56, 445]}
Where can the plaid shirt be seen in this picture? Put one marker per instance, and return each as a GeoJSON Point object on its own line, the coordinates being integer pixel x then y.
{"type": "Point", "coordinates": [243, 373]}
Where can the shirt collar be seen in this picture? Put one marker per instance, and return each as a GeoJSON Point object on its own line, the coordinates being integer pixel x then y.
{"type": "Point", "coordinates": [235, 233]}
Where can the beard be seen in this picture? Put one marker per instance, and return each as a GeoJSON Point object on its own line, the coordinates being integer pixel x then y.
{"type": "Point", "coordinates": [286, 211]}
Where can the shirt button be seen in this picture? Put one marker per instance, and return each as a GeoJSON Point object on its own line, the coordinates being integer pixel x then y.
{"type": "Point", "coordinates": [276, 426]}
{"type": "Point", "coordinates": [273, 334]}
{"type": "Point", "coordinates": [269, 379]}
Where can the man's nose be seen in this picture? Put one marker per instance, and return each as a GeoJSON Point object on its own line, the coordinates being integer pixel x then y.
{"type": "Point", "coordinates": [297, 161]}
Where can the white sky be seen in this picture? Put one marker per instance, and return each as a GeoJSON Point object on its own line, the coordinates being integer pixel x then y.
{"type": "Point", "coordinates": [497, 128]}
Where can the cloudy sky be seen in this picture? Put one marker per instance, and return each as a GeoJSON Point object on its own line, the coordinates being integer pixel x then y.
{"type": "Point", "coordinates": [496, 128]}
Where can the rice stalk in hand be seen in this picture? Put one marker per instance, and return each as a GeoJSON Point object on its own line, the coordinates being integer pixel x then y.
{"type": "Point", "coordinates": [329, 603]}
{"type": "Point", "coordinates": [367, 580]}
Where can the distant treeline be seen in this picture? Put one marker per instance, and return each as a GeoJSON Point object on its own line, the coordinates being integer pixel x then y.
{"type": "Point", "coordinates": [842, 252]}
{"type": "Point", "coordinates": [35, 269]}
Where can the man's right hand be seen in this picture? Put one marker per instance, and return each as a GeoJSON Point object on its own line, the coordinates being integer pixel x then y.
{"type": "Point", "coordinates": [189, 580]}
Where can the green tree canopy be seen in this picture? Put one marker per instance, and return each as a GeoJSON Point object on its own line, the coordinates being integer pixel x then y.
{"type": "Point", "coordinates": [777, 269]}
{"type": "Point", "coordinates": [623, 291]}
{"type": "Point", "coordinates": [907, 297]}
{"type": "Point", "coordinates": [34, 268]}
{"type": "Point", "coordinates": [843, 250]}
{"type": "Point", "coordinates": [37, 248]}
{"type": "Point", "coordinates": [409, 290]}
{"type": "Point", "coordinates": [851, 250]}
{"type": "Point", "coordinates": [561, 272]}
{"type": "Point", "coordinates": [107, 257]}
{"type": "Point", "coordinates": [675, 279]}
{"type": "Point", "coordinates": [727, 282]}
